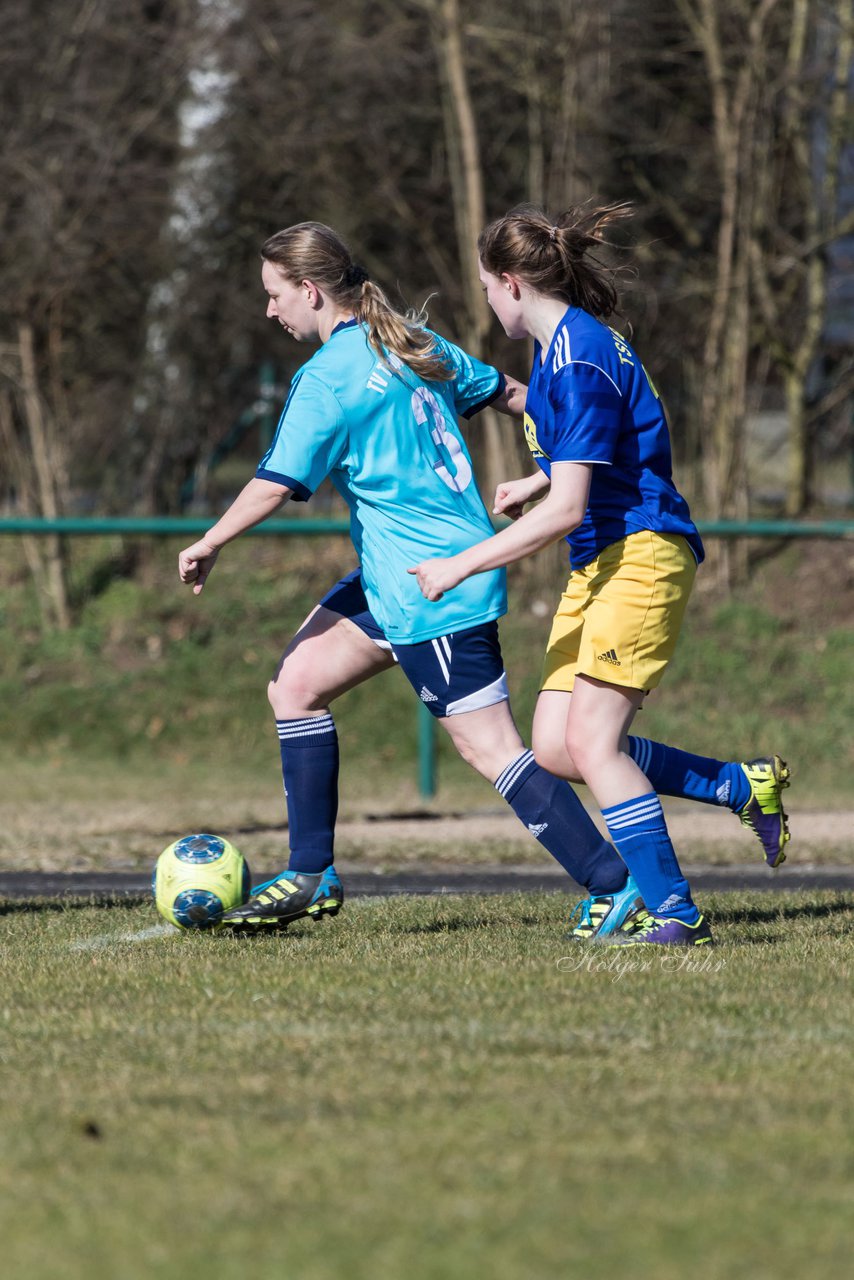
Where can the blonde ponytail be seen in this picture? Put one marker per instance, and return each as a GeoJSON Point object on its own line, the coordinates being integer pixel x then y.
{"type": "Point", "coordinates": [404, 336]}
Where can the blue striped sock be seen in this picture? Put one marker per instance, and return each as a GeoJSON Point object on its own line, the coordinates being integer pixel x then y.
{"type": "Point", "coordinates": [640, 833]}
{"type": "Point", "coordinates": [309, 750]}
{"type": "Point", "coordinates": [672, 772]}
{"type": "Point", "coordinates": [555, 816]}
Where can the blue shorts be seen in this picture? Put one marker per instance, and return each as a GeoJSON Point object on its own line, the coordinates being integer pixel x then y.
{"type": "Point", "coordinates": [451, 674]}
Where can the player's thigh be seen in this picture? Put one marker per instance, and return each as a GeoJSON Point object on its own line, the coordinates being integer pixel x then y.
{"type": "Point", "coordinates": [461, 680]}
{"type": "Point", "coordinates": [562, 648]}
{"type": "Point", "coordinates": [487, 739]}
{"type": "Point", "coordinates": [619, 617]}
{"type": "Point", "coordinates": [328, 655]}
{"type": "Point", "coordinates": [638, 590]}
{"type": "Point", "coordinates": [560, 666]}
{"type": "Point", "coordinates": [599, 718]}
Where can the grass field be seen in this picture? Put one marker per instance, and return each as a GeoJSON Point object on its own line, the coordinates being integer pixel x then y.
{"type": "Point", "coordinates": [149, 717]}
{"type": "Point", "coordinates": [168, 684]}
{"type": "Point", "coordinates": [422, 1089]}
{"type": "Point", "coordinates": [430, 1089]}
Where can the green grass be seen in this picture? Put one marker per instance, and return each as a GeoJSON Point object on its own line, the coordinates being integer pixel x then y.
{"type": "Point", "coordinates": [423, 1088]}
{"type": "Point", "coordinates": [150, 672]}
{"type": "Point", "coordinates": [149, 718]}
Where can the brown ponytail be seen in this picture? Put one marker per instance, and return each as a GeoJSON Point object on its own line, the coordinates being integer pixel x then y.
{"type": "Point", "coordinates": [554, 257]}
{"type": "Point", "coordinates": [313, 251]}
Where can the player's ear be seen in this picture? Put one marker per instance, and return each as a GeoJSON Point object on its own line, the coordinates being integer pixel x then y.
{"type": "Point", "coordinates": [312, 293]}
{"type": "Point", "coordinates": [512, 284]}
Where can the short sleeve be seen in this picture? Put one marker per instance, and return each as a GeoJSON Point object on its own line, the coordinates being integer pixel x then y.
{"type": "Point", "coordinates": [310, 439]}
{"type": "Point", "coordinates": [474, 385]}
{"type": "Point", "coordinates": [587, 409]}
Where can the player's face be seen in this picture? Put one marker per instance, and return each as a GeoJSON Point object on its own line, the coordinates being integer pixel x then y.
{"type": "Point", "coordinates": [289, 303]}
{"type": "Point", "coordinates": [503, 295]}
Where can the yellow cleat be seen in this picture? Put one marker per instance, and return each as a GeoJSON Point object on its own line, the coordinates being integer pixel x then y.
{"type": "Point", "coordinates": [764, 814]}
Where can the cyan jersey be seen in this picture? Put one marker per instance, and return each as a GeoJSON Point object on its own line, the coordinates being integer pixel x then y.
{"type": "Point", "coordinates": [391, 445]}
{"type": "Point", "coordinates": [592, 401]}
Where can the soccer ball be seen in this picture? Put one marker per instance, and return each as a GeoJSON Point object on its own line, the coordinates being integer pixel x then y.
{"type": "Point", "coordinates": [198, 878]}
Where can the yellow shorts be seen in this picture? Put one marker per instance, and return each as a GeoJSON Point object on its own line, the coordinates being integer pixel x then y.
{"type": "Point", "coordinates": [619, 618]}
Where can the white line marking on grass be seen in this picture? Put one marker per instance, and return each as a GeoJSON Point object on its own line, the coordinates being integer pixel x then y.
{"type": "Point", "coordinates": [104, 939]}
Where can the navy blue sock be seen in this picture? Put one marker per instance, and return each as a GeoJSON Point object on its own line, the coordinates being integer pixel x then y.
{"type": "Point", "coordinates": [555, 816]}
{"type": "Point", "coordinates": [310, 773]}
{"type": "Point", "coordinates": [640, 833]}
{"type": "Point", "coordinates": [672, 772]}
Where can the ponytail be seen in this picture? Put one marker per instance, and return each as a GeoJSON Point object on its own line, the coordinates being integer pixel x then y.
{"type": "Point", "coordinates": [405, 336]}
{"type": "Point", "coordinates": [556, 258]}
{"type": "Point", "coordinates": [313, 251]}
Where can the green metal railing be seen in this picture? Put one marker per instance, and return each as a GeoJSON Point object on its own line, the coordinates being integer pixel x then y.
{"type": "Point", "coordinates": [167, 526]}
{"type": "Point", "coordinates": [158, 526]}
{"type": "Point", "coordinates": [190, 526]}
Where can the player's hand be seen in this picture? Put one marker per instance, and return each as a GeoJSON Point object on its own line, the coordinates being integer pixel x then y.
{"type": "Point", "coordinates": [195, 564]}
{"type": "Point", "coordinates": [515, 394]}
{"type": "Point", "coordinates": [435, 577]}
{"type": "Point", "coordinates": [511, 497]}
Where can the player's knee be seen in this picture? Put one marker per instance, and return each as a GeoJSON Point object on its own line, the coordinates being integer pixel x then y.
{"type": "Point", "coordinates": [475, 755]}
{"type": "Point", "coordinates": [586, 750]}
{"type": "Point", "coordinates": [292, 693]}
{"type": "Point", "coordinates": [551, 754]}
{"type": "Point", "coordinates": [488, 756]}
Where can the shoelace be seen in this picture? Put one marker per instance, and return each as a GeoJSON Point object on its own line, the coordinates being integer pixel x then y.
{"type": "Point", "coordinates": [647, 925]}
{"type": "Point", "coordinates": [582, 910]}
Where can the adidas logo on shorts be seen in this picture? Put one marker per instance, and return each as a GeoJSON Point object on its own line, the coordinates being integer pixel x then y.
{"type": "Point", "coordinates": [609, 657]}
{"type": "Point", "coordinates": [426, 696]}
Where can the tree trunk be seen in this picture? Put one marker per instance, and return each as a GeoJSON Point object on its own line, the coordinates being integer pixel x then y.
{"type": "Point", "coordinates": [45, 468]}
{"type": "Point", "coordinates": [799, 468]}
{"type": "Point", "coordinates": [736, 107]}
{"type": "Point", "coordinates": [820, 226]}
{"type": "Point", "coordinates": [467, 191]}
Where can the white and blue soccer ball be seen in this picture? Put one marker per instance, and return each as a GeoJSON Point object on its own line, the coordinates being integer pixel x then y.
{"type": "Point", "coordinates": [197, 879]}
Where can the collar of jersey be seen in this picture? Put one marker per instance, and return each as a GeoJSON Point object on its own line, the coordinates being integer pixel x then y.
{"type": "Point", "coordinates": [344, 324]}
{"type": "Point", "coordinates": [567, 318]}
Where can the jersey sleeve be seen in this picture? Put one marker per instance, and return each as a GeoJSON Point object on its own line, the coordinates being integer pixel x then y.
{"type": "Point", "coordinates": [475, 384]}
{"type": "Point", "coordinates": [587, 408]}
{"type": "Point", "coordinates": [310, 439]}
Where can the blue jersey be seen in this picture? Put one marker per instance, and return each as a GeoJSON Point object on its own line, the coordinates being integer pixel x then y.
{"type": "Point", "coordinates": [391, 445]}
{"type": "Point", "coordinates": [590, 400]}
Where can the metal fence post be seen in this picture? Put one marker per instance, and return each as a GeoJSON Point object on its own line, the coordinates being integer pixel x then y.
{"type": "Point", "coordinates": [426, 752]}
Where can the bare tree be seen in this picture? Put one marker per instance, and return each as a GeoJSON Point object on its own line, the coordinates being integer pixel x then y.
{"type": "Point", "coordinates": [736, 71]}
{"type": "Point", "coordinates": [469, 206]}
{"type": "Point", "coordinates": [799, 216]}
{"type": "Point", "coordinates": [740, 231]}
{"type": "Point", "coordinates": [87, 97]}
{"type": "Point", "coordinates": [150, 149]}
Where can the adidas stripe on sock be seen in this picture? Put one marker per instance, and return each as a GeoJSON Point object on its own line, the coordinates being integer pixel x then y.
{"type": "Point", "coordinates": [555, 816]}
{"type": "Point", "coordinates": [639, 831]}
{"type": "Point", "coordinates": [672, 772]}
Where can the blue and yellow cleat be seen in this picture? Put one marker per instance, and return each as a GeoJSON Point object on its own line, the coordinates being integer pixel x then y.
{"type": "Point", "coordinates": [597, 919]}
{"type": "Point", "coordinates": [764, 814]}
{"type": "Point", "coordinates": [291, 896]}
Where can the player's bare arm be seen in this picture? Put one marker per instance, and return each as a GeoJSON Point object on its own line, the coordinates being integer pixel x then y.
{"type": "Point", "coordinates": [561, 511]}
{"type": "Point", "coordinates": [512, 398]}
{"type": "Point", "coordinates": [258, 500]}
{"type": "Point", "coordinates": [512, 496]}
